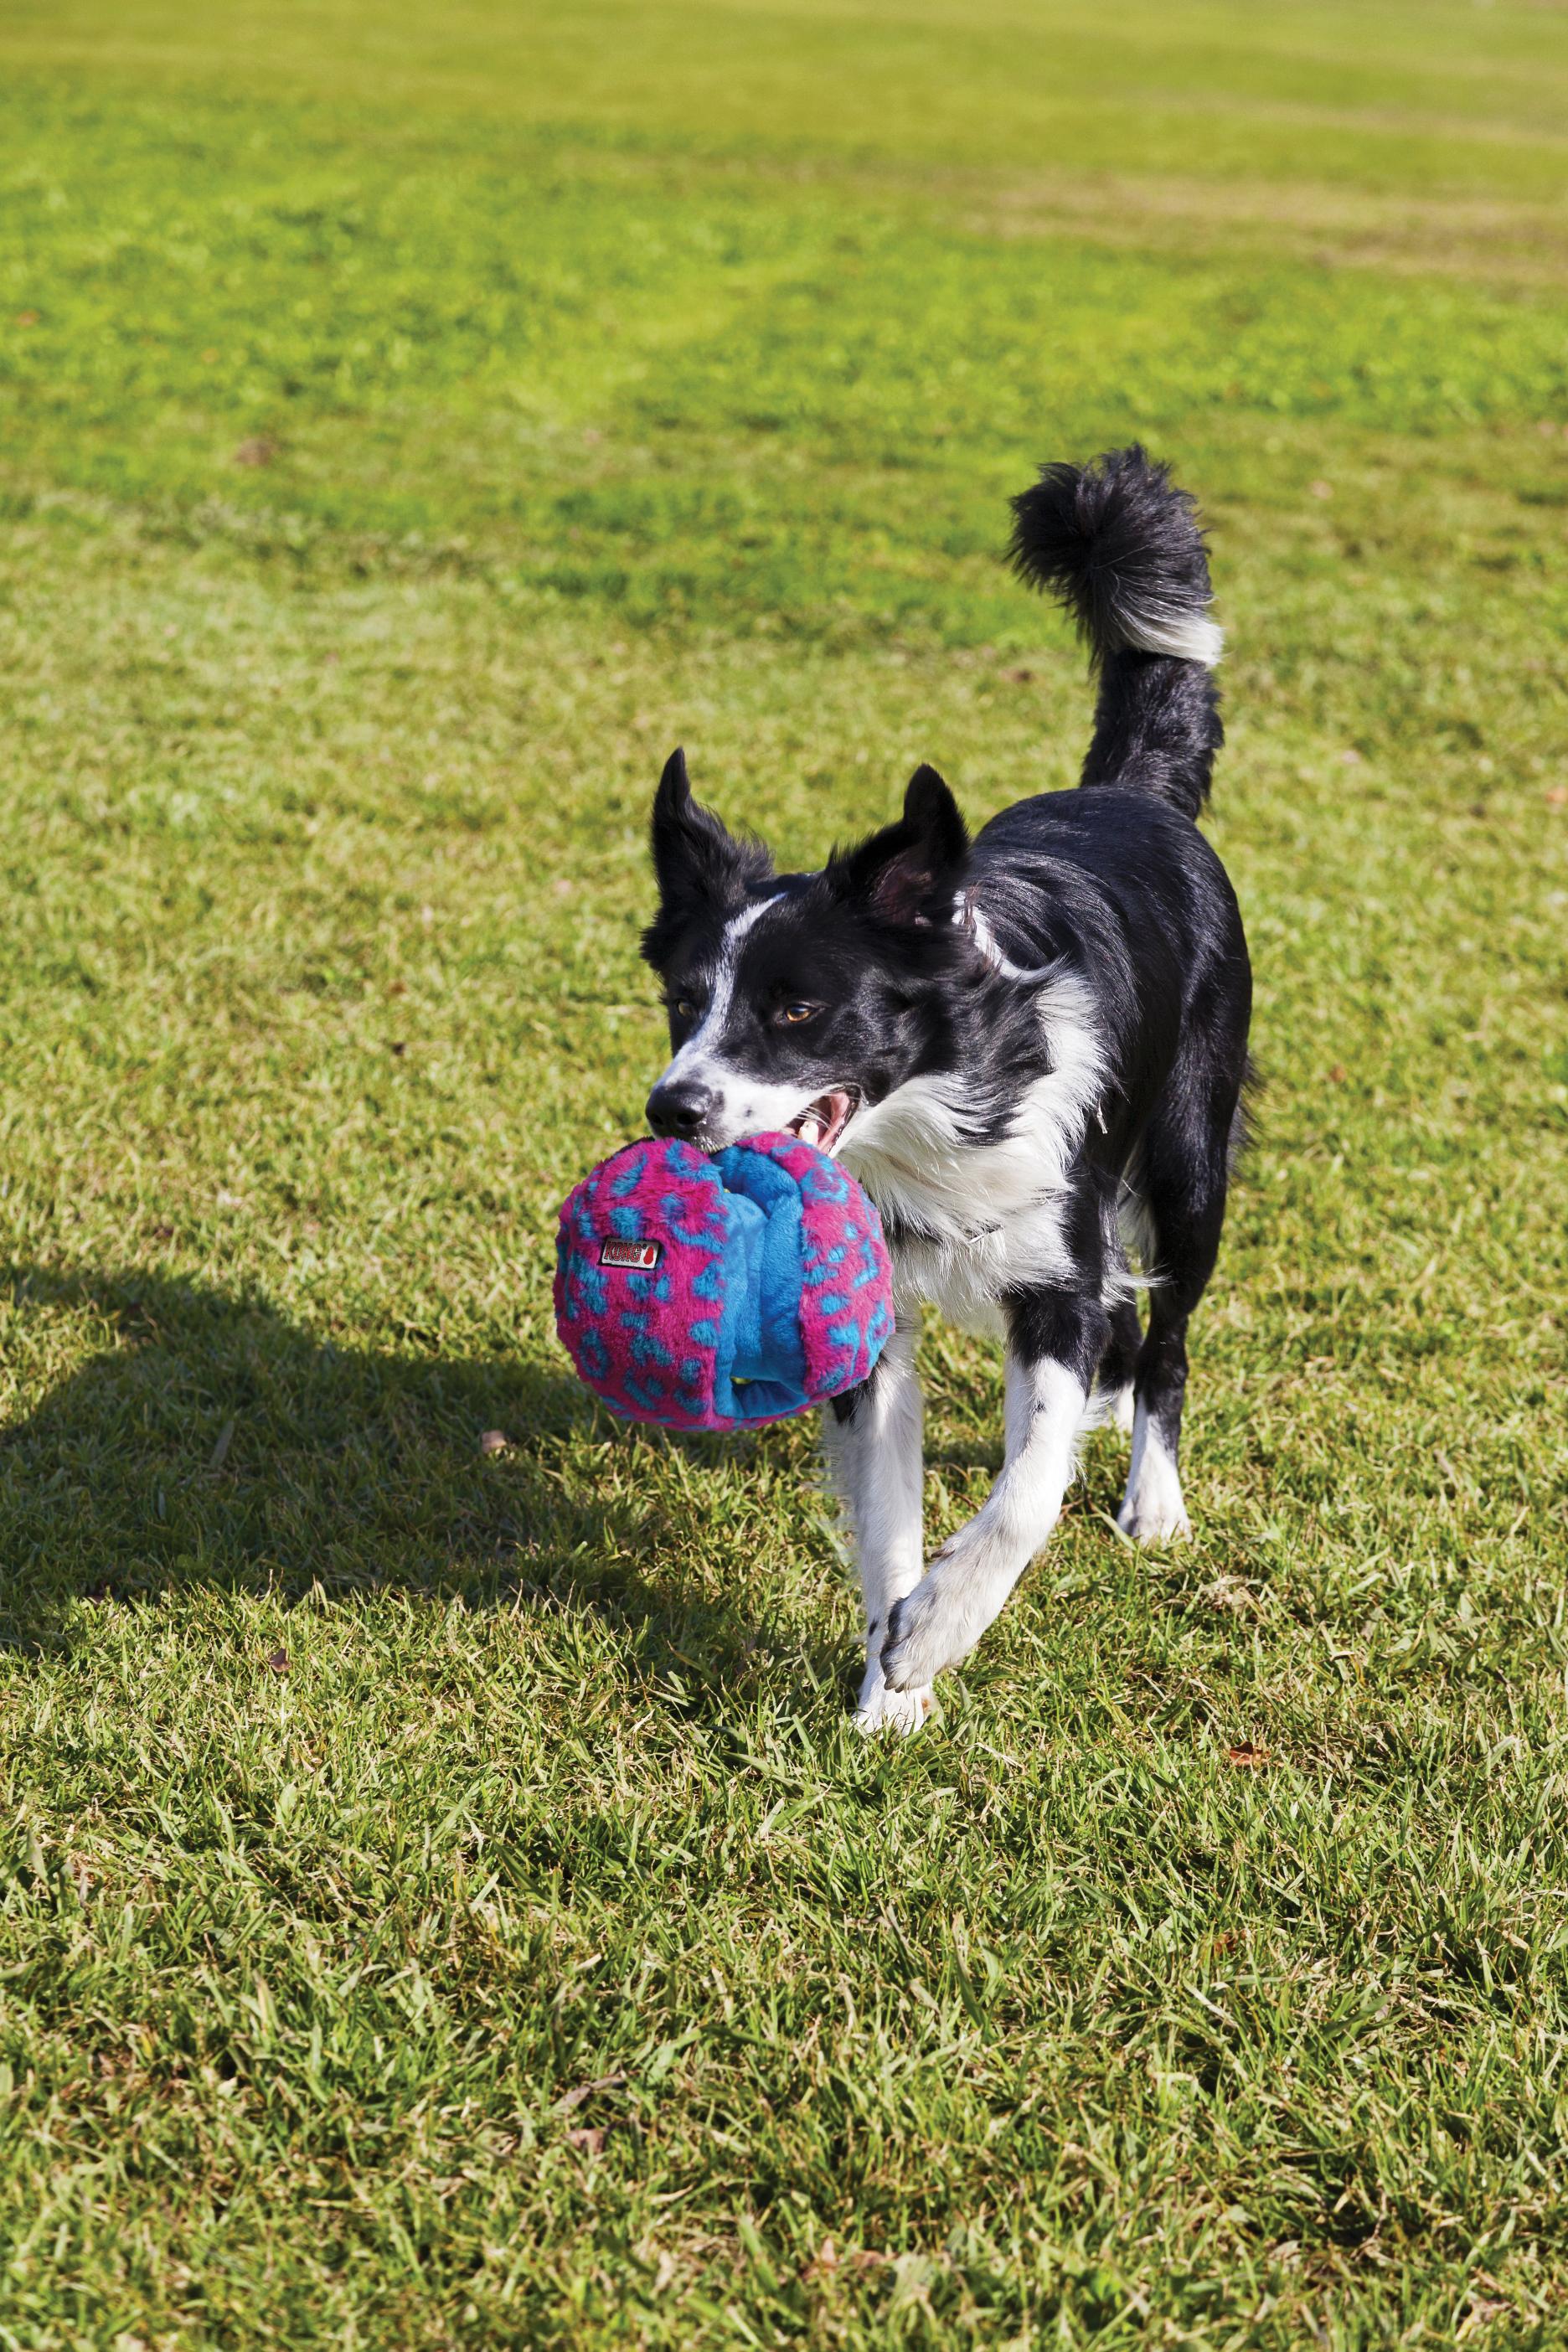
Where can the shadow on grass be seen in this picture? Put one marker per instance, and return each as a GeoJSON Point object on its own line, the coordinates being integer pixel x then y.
{"type": "Point", "coordinates": [215, 1443]}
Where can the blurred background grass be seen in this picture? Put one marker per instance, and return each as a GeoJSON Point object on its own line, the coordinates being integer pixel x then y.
{"type": "Point", "coordinates": [439, 1902]}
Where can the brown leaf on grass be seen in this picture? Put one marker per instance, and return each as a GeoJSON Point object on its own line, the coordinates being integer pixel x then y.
{"type": "Point", "coordinates": [1249, 1757]}
{"type": "Point", "coordinates": [278, 1662]}
{"type": "Point", "coordinates": [569, 2100]}
{"type": "Point", "coordinates": [259, 451]}
{"type": "Point", "coordinates": [589, 2138]}
{"type": "Point", "coordinates": [1019, 677]}
{"type": "Point", "coordinates": [1337, 1074]}
{"type": "Point", "coordinates": [1558, 797]}
{"type": "Point", "coordinates": [26, 318]}
{"type": "Point", "coordinates": [828, 2259]}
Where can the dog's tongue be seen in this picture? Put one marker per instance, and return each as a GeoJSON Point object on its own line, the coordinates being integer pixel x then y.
{"type": "Point", "coordinates": [824, 1122]}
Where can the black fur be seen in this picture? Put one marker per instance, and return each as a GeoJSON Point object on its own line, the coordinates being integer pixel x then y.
{"type": "Point", "coordinates": [1122, 547]}
{"type": "Point", "coordinates": [699, 865]}
{"type": "Point", "coordinates": [895, 873]}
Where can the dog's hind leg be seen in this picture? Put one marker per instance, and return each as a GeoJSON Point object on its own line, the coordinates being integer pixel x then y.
{"type": "Point", "coordinates": [872, 1440]}
{"type": "Point", "coordinates": [1113, 1381]}
{"type": "Point", "coordinates": [1056, 1340]}
{"type": "Point", "coordinates": [1184, 1172]}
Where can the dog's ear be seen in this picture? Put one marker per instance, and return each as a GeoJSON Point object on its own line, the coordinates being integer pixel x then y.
{"type": "Point", "coordinates": [899, 869]}
{"type": "Point", "coordinates": [697, 862]}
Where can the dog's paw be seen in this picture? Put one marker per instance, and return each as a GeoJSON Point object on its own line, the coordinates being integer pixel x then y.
{"type": "Point", "coordinates": [1154, 1519]}
{"type": "Point", "coordinates": [1152, 1510]}
{"type": "Point", "coordinates": [881, 1709]}
{"type": "Point", "coordinates": [926, 1632]}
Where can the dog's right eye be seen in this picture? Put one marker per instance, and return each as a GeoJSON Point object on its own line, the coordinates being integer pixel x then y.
{"type": "Point", "coordinates": [684, 1009]}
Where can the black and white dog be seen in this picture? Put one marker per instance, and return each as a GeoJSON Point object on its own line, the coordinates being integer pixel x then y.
{"type": "Point", "coordinates": [1031, 1050]}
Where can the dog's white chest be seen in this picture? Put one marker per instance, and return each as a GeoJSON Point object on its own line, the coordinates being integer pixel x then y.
{"type": "Point", "coordinates": [958, 1279]}
{"type": "Point", "coordinates": [966, 1277]}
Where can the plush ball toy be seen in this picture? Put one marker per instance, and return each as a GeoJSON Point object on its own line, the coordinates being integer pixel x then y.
{"type": "Point", "coordinates": [705, 1294]}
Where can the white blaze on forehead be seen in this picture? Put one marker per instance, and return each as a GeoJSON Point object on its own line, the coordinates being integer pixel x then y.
{"type": "Point", "coordinates": [702, 1044]}
{"type": "Point", "coordinates": [743, 1103]}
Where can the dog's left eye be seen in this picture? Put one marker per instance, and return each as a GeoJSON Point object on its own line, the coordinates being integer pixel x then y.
{"type": "Point", "coordinates": [788, 1014]}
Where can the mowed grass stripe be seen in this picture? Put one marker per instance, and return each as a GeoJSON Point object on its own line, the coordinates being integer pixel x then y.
{"type": "Point", "coordinates": [643, 378]}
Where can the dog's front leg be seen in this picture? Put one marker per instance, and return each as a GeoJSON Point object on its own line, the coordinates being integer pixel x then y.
{"type": "Point", "coordinates": [1054, 1344]}
{"type": "Point", "coordinates": [873, 1445]}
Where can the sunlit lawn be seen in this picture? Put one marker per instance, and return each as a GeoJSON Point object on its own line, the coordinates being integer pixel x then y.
{"type": "Point", "coordinates": [441, 1905]}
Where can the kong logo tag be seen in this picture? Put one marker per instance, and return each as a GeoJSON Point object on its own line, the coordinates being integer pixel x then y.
{"type": "Point", "coordinates": [635, 1257]}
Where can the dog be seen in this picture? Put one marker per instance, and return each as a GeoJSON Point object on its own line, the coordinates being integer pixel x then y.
{"type": "Point", "coordinates": [1030, 1048]}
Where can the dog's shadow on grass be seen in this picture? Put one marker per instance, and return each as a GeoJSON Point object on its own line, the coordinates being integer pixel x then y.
{"type": "Point", "coordinates": [208, 1440]}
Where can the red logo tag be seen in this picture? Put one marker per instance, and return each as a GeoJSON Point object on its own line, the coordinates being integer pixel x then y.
{"type": "Point", "coordinates": [638, 1257]}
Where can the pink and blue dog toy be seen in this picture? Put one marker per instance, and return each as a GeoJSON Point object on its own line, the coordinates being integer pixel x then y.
{"type": "Point", "coordinates": [707, 1293]}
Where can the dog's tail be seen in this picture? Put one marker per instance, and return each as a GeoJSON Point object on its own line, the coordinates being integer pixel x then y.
{"type": "Point", "coordinates": [1122, 550]}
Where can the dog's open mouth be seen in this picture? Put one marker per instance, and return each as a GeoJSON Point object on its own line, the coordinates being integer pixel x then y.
{"type": "Point", "coordinates": [823, 1121]}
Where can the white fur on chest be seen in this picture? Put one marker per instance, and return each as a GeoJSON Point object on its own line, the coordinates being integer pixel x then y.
{"type": "Point", "coordinates": [966, 1280]}
{"type": "Point", "coordinates": [978, 1219]}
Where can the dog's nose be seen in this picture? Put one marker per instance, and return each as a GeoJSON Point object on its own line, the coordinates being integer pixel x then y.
{"type": "Point", "coordinates": [678, 1107]}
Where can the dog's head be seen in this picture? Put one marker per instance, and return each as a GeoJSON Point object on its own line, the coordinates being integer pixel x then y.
{"type": "Point", "coordinates": [797, 999]}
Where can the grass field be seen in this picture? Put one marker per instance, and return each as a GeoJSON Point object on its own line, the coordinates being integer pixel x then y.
{"type": "Point", "coordinates": [442, 1904]}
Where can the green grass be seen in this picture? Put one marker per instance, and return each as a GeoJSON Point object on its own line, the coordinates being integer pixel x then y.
{"type": "Point", "coordinates": [440, 1904]}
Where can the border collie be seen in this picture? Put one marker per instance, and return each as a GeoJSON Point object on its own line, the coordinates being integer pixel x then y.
{"type": "Point", "coordinates": [1031, 1050]}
